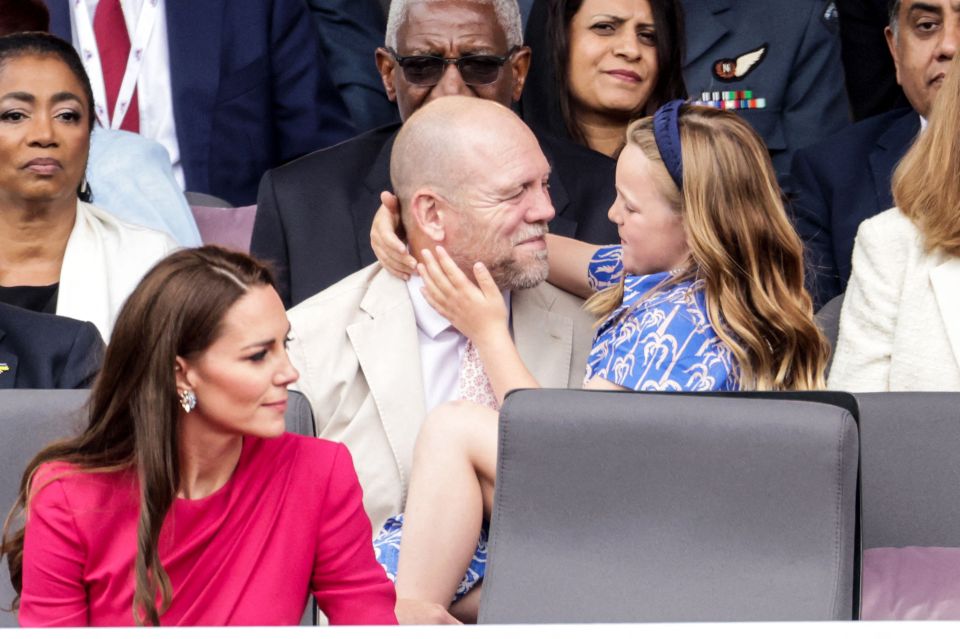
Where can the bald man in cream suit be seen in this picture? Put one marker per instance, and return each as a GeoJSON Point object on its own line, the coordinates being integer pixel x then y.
{"type": "Point", "coordinates": [374, 357]}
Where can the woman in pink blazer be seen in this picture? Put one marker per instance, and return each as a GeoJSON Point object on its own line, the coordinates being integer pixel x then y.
{"type": "Point", "coordinates": [184, 502]}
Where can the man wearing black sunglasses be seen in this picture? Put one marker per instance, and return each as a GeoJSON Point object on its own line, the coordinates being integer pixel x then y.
{"type": "Point", "coordinates": [314, 214]}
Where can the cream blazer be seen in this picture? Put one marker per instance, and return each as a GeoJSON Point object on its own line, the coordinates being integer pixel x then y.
{"type": "Point", "coordinates": [900, 322]}
{"type": "Point", "coordinates": [104, 261]}
{"type": "Point", "coordinates": [355, 345]}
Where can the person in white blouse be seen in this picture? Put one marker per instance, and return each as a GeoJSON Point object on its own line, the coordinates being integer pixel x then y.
{"type": "Point", "coordinates": [900, 323]}
{"type": "Point", "coordinates": [57, 252]}
{"type": "Point", "coordinates": [129, 175]}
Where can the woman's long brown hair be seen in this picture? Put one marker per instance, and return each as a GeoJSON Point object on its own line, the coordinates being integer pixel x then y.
{"type": "Point", "coordinates": [742, 247]}
{"type": "Point", "coordinates": [177, 309]}
{"type": "Point", "coordinates": [926, 184]}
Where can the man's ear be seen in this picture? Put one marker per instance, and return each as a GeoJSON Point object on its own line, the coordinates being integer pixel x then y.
{"type": "Point", "coordinates": [428, 212]}
{"type": "Point", "coordinates": [521, 66]}
{"type": "Point", "coordinates": [894, 51]}
{"type": "Point", "coordinates": [386, 64]}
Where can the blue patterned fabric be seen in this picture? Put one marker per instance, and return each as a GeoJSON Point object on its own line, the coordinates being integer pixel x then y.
{"type": "Point", "coordinates": [663, 343]}
{"type": "Point", "coordinates": [387, 549]}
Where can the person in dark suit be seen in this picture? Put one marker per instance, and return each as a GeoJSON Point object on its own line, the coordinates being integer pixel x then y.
{"type": "Point", "coordinates": [837, 184]}
{"type": "Point", "coordinates": [784, 53]}
{"type": "Point", "coordinates": [250, 89]}
{"type": "Point", "coordinates": [350, 30]}
{"type": "Point", "coordinates": [40, 350]}
{"type": "Point", "coordinates": [841, 181]}
{"type": "Point", "coordinates": [314, 215]}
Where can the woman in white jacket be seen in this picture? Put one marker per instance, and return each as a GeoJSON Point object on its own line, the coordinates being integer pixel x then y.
{"type": "Point", "coordinates": [900, 324]}
{"type": "Point", "coordinates": [57, 252]}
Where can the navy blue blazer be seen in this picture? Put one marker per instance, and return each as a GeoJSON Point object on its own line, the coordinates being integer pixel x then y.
{"type": "Point", "coordinates": [799, 71]}
{"type": "Point", "coordinates": [314, 215]}
{"type": "Point", "coordinates": [39, 350]}
{"type": "Point", "coordinates": [837, 184]}
{"type": "Point", "coordinates": [250, 89]}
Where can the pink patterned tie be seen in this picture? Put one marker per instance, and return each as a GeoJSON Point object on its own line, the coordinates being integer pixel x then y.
{"type": "Point", "coordinates": [473, 384]}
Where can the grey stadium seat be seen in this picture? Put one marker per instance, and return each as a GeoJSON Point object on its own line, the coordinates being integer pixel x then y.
{"type": "Point", "coordinates": [34, 418]}
{"type": "Point", "coordinates": [635, 507]}
{"type": "Point", "coordinates": [910, 443]}
{"type": "Point", "coordinates": [910, 447]}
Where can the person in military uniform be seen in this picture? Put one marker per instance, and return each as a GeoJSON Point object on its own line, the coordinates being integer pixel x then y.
{"type": "Point", "coordinates": [776, 63]}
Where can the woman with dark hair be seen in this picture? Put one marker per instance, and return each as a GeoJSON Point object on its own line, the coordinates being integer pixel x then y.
{"type": "Point", "coordinates": [183, 502]}
{"type": "Point", "coordinates": [598, 64]}
{"type": "Point", "coordinates": [58, 253]}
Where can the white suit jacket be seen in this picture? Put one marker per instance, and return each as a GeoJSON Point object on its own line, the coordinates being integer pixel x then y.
{"type": "Point", "coordinates": [355, 346]}
{"type": "Point", "coordinates": [900, 323]}
{"type": "Point", "coordinates": [104, 261]}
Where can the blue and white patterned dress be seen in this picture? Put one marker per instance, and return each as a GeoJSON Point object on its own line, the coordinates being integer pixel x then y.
{"type": "Point", "coordinates": [386, 547]}
{"type": "Point", "coordinates": [657, 340]}
{"type": "Point", "coordinates": [665, 343]}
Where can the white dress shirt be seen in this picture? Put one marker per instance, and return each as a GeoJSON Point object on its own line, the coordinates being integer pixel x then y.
{"type": "Point", "coordinates": [441, 347]}
{"type": "Point", "coordinates": [154, 91]}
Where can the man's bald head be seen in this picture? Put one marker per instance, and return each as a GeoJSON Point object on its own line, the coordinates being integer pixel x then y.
{"type": "Point", "coordinates": [444, 144]}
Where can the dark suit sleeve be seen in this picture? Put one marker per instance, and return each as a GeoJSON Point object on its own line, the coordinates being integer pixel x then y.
{"type": "Point", "coordinates": [308, 113]}
{"type": "Point", "coordinates": [815, 104]}
{"type": "Point", "coordinates": [350, 32]}
{"type": "Point", "coordinates": [84, 359]}
{"type": "Point", "coordinates": [812, 219]}
{"type": "Point", "coordinates": [269, 240]}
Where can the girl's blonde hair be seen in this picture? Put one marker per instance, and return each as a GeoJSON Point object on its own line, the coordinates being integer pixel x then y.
{"type": "Point", "coordinates": [926, 184]}
{"type": "Point", "coordinates": [742, 247]}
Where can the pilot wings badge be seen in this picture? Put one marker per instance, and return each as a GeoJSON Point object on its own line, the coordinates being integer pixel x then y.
{"type": "Point", "coordinates": [731, 70]}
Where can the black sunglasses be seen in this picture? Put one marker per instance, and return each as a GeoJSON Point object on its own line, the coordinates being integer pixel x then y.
{"type": "Point", "coordinates": [426, 70]}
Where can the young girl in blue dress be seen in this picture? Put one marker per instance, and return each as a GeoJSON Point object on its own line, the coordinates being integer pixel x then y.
{"type": "Point", "coordinates": [704, 293]}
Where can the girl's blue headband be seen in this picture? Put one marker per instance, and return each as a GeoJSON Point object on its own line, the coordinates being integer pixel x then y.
{"type": "Point", "coordinates": [666, 132]}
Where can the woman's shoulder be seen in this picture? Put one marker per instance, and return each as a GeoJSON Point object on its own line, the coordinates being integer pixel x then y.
{"type": "Point", "coordinates": [887, 247]}
{"type": "Point", "coordinates": [888, 230]}
{"type": "Point", "coordinates": [303, 454]}
{"type": "Point", "coordinates": [314, 470]}
{"type": "Point", "coordinates": [64, 481]}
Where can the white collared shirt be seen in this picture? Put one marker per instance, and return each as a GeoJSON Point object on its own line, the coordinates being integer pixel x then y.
{"type": "Point", "coordinates": [441, 347]}
{"type": "Point", "coordinates": [154, 91]}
